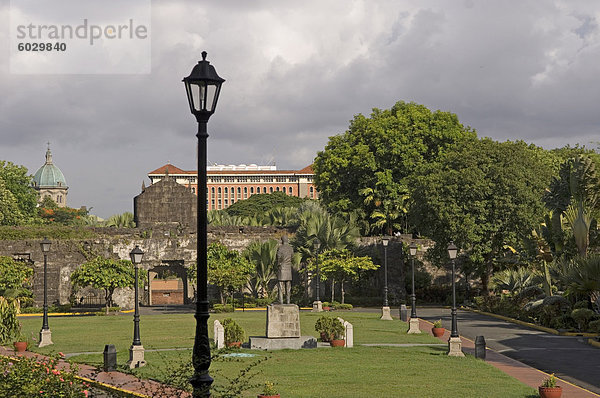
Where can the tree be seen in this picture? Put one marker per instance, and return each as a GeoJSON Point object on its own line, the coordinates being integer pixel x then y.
{"type": "Point", "coordinates": [9, 209]}
{"type": "Point", "coordinates": [15, 278]}
{"type": "Point", "coordinates": [227, 269]}
{"type": "Point", "coordinates": [398, 140]}
{"type": "Point", "coordinates": [484, 196]}
{"type": "Point", "coordinates": [263, 255]}
{"type": "Point", "coordinates": [342, 266]}
{"type": "Point", "coordinates": [19, 183]}
{"type": "Point", "coordinates": [262, 203]}
{"type": "Point", "coordinates": [106, 274]}
{"type": "Point", "coordinates": [389, 200]}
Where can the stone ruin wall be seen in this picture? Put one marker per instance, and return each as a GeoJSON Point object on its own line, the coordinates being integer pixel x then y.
{"type": "Point", "coordinates": [161, 247]}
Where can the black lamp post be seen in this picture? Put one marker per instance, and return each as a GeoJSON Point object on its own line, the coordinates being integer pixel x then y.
{"type": "Point", "coordinates": [316, 246]}
{"type": "Point", "coordinates": [385, 242]}
{"type": "Point", "coordinates": [136, 258]}
{"type": "Point", "coordinates": [45, 333]}
{"type": "Point", "coordinates": [413, 298]}
{"type": "Point", "coordinates": [452, 251]}
{"type": "Point", "coordinates": [202, 86]}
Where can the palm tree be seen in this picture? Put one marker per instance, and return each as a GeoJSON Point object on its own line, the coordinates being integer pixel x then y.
{"type": "Point", "coordinates": [579, 218]}
{"type": "Point", "coordinates": [264, 257]}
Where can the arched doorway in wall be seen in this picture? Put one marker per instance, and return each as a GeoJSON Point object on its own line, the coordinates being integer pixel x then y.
{"type": "Point", "coordinates": [168, 284]}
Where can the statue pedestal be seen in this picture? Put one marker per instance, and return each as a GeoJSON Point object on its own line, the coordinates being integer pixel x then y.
{"type": "Point", "coordinates": [136, 357]}
{"type": "Point", "coordinates": [283, 330]}
{"type": "Point", "coordinates": [386, 314]}
{"type": "Point", "coordinates": [414, 326]}
{"type": "Point", "coordinates": [45, 338]}
{"type": "Point", "coordinates": [454, 347]}
{"type": "Point", "coordinates": [317, 306]}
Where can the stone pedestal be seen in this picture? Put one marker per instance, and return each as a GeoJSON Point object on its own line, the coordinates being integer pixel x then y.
{"type": "Point", "coordinates": [386, 314]}
{"type": "Point", "coordinates": [317, 306]}
{"type": "Point", "coordinates": [219, 335]}
{"type": "Point", "coordinates": [136, 357]}
{"type": "Point", "coordinates": [455, 347]}
{"type": "Point", "coordinates": [45, 338]}
{"type": "Point", "coordinates": [283, 321]}
{"type": "Point", "coordinates": [414, 326]}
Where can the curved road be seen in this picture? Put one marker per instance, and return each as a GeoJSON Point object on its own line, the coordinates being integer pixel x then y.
{"type": "Point", "coordinates": [570, 358]}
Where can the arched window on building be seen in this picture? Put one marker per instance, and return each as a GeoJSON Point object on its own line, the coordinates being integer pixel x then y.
{"type": "Point", "coordinates": [251, 190]}
{"type": "Point", "coordinates": [312, 192]}
{"type": "Point", "coordinates": [239, 193]}
{"type": "Point", "coordinates": [219, 204]}
{"type": "Point", "coordinates": [270, 189]}
{"type": "Point", "coordinates": [290, 190]}
{"type": "Point", "coordinates": [232, 193]}
{"type": "Point", "coordinates": [264, 189]}
{"type": "Point", "coordinates": [194, 190]}
{"type": "Point", "coordinates": [225, 191]}
{"type": "Point", "coordinates": [245, 192]}
{"type": "Point", "coordinates": [219, 193]}
{"type": "Point", "coordinates": [277, 189]}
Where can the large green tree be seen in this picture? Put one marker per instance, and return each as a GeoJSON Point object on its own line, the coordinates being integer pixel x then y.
{"type": "Point", "coordinates": [484, 196]}
{"type": "Point", "coordinates": [227, 269]}
{"type": "Point", "coordinates": [17, 181]}
{"type": "Point", "coordinates": [107, 274]}
{"type": "Point", "coordinates": [15, 278]}
{"type": "Point", "coordinates": [395, 141]}
{"type": "Point", "coordinates": [262, 203]}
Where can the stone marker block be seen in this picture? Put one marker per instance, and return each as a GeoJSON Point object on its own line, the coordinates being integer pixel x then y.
{"type": "Point", "coordinates": [45, 338]}
{"type": "Point", "coordinates": [414, 326]}
{"type": "Point", "coordinates": [219, 333]}
{"type": "Point", "coordinates": [283, 321]}
{"type": "Point", "coordinates": [317, 306]}
{"type": "Point", "coordinates": [349, 333]}
{"type": "Point", "coordinates": [386, 314]}
{"type": "Point", "coordinates": [403, 313]}
{"type": "Point", "coordinates": [454, 347]}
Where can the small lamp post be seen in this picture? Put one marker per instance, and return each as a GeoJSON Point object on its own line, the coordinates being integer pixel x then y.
{"type": "Point", "coordinates": [203, 87]}
{"type": "Point", "coordinates": [385, 310]}
{"type": "Point", "coordinates": [414, 321]}
{"type": "Point", "coordinates": [45, 333]}
{"type": "Point", "coordinates": [317, 304]}
{"type": "Point", "coordinates": [454, 343]}
{"type": "Point", "coordinates": [136, 351]}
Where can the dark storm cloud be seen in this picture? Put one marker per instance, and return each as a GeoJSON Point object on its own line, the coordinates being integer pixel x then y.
{"type": "Point", "coordinates": [297, 72]}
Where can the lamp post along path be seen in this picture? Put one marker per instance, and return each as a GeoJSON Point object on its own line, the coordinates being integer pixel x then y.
{"type": "Point", "coordinates": [45, 333]}
{"type": "Point", "coordinates": [203, 87]}
{"type": "Point", "coordinates": [385, 310]}
{"type": "Point", "coordinates": [414, 321]}
{"type": "Point", "coordinates": [454, 343]}
{"type": "Point", "coordinates": [136, 351]}
{"type": "Point", "coordinates": [317, 304]}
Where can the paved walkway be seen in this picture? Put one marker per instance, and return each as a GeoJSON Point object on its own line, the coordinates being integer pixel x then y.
{"type": "Point", "coordinates": [510, 345]}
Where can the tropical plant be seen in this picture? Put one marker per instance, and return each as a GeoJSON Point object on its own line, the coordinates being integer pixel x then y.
{"type": "Point", "coordinates": [514, 279]}
{"type": "Point", "coordinates": [263, 255]}
{"type": "Point", "coordinates": [579, 218]}
{"type": "Point", "coordinates": [550, 381]}
{"type": "Point", "coordinates": [582, 277]}
{"type": "Point", "coordinates": [10, 327]}
{"type": "Point", "coordinates": [124, 220]}
{"type": "Point", "coordinates": [388, 200]}
{"type": "Point", "coordinates": [437, 324]}
{"type": "Point", "coordinates": [227, 269]}
{"type": "Point", "coordinates": [269, 389]}
{"type": "Point", "coordinates": [15, 278]}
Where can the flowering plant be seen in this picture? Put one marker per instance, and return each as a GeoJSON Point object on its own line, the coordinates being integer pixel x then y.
{"type": "Point", "coordinates": [39, 377]}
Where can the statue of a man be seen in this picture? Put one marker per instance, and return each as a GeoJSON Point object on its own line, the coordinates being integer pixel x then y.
{"type": "Point", "coordinates": [284, 273]}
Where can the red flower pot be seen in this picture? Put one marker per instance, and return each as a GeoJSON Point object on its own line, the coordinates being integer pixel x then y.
{"type": "Point", "coordinates": [338, 343]}
{"type": "Point", "coordinates": [20, 346]}
{"type": "Point", "coordinates": [268, 396]}
{"type": "Point", "coordinates": [326, 308]}
{"type": "Point", "coordinates": [438, 332]}
{"type": "Point", "coordinates": [550, 392]}
{"type": "Point", "coordinates": [234, 344]}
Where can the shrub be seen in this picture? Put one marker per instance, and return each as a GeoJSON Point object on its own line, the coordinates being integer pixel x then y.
{"type": "Point", "coordinates": [345, 306]}
{"type": "Point", "coordinates": [582, 316]}
{"type": "Point", "coordinates": [580, 304]}
{"type": "Point", "coordinates": [263, 302]}
{"type": "Point", "coordinates": [329, 328]}
{"type": "Point", "coordinates": [233, 331]}
{"type": "Point", "coordinates": [219, 308]}
{"type": "Point", "coordinates": [564, 321]}
{"type": "Point", "coordinates": [594, 326]}
{"type": "Point", "coordinates": [38, 377]}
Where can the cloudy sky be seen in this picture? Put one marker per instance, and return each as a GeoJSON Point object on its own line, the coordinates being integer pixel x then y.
{"type": "Point", "coordinates": [297, 72]}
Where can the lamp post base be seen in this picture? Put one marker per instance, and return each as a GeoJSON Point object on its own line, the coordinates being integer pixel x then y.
{"type": "Point", "coordinates": [45, 338]}
{"type": "Point", "coordinates": [454, 347]}
{"type": "Point", "coordinates": [414, 326]}
{"type": "Point", "coordinates": [386, 314]}
{"type": "Point", "coordinates": [136, 357]}
{"type": "Point", "coordinates": [317, 306]}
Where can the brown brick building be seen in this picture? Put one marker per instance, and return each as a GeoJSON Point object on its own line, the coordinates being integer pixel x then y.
{"type": "Point", "coordinates": [229, 183]}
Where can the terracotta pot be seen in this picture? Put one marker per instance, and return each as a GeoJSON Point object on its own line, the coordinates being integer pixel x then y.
{"type": "Point", "coordinates": [550, 392]}
{"type": "Point", "coordinates": [338, 343]}
{"type": "Point", "coordinates": [326, 308]}
{"type": "Point", "coordinates": [20, 346]}
{"type": "Point", "coordinates": [234, 344]}
{"type": "Point", "coordinates": [438, 332]}
{"type": "Point", "coordinates": [268, 396]}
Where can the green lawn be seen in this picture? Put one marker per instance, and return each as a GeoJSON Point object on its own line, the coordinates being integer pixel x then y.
{"type": "Point", "coordinates": [324, 372]}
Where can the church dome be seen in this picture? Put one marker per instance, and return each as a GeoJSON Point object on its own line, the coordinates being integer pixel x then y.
{"type": "Point", "coordinates": [49, 175]}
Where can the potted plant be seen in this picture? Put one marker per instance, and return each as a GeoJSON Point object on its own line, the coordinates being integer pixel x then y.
{"type": "Point", "coordinates": [269, 391]}
{"type": "Point", "coordinates": [326, 306]}
{"type": "Point", "coordinates": [323, 326]}
{"type": "Point", "coordinates": [337, 331]}
{"type": "Point", "coordinates": [234, 334]}
{"type": "Point", "coordinates": [438, 330]}
{"type": "Point", "coordinates": [21, 342]}
{"type": "Point", "coordinates": [549, 389]}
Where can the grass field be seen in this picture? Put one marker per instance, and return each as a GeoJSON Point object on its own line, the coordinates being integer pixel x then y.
{"type": "Point", "coordinates": [424, 371]}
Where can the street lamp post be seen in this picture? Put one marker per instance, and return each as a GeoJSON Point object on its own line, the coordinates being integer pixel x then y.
{"type": "Point", "coordinates": [414, 321]}
{"type": "Point", "coordinates": [136, 351]}
{"type": "Point", "coordinates": [454, 343]}
{"type": "Point", "coordinates": [385, 310]}
{"type": "Point", "coordinates": [45, 333]}
{"type": "Point", "coordinates": [202, 86]}
{"type": "Point", "coordinates": [317, 304]}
